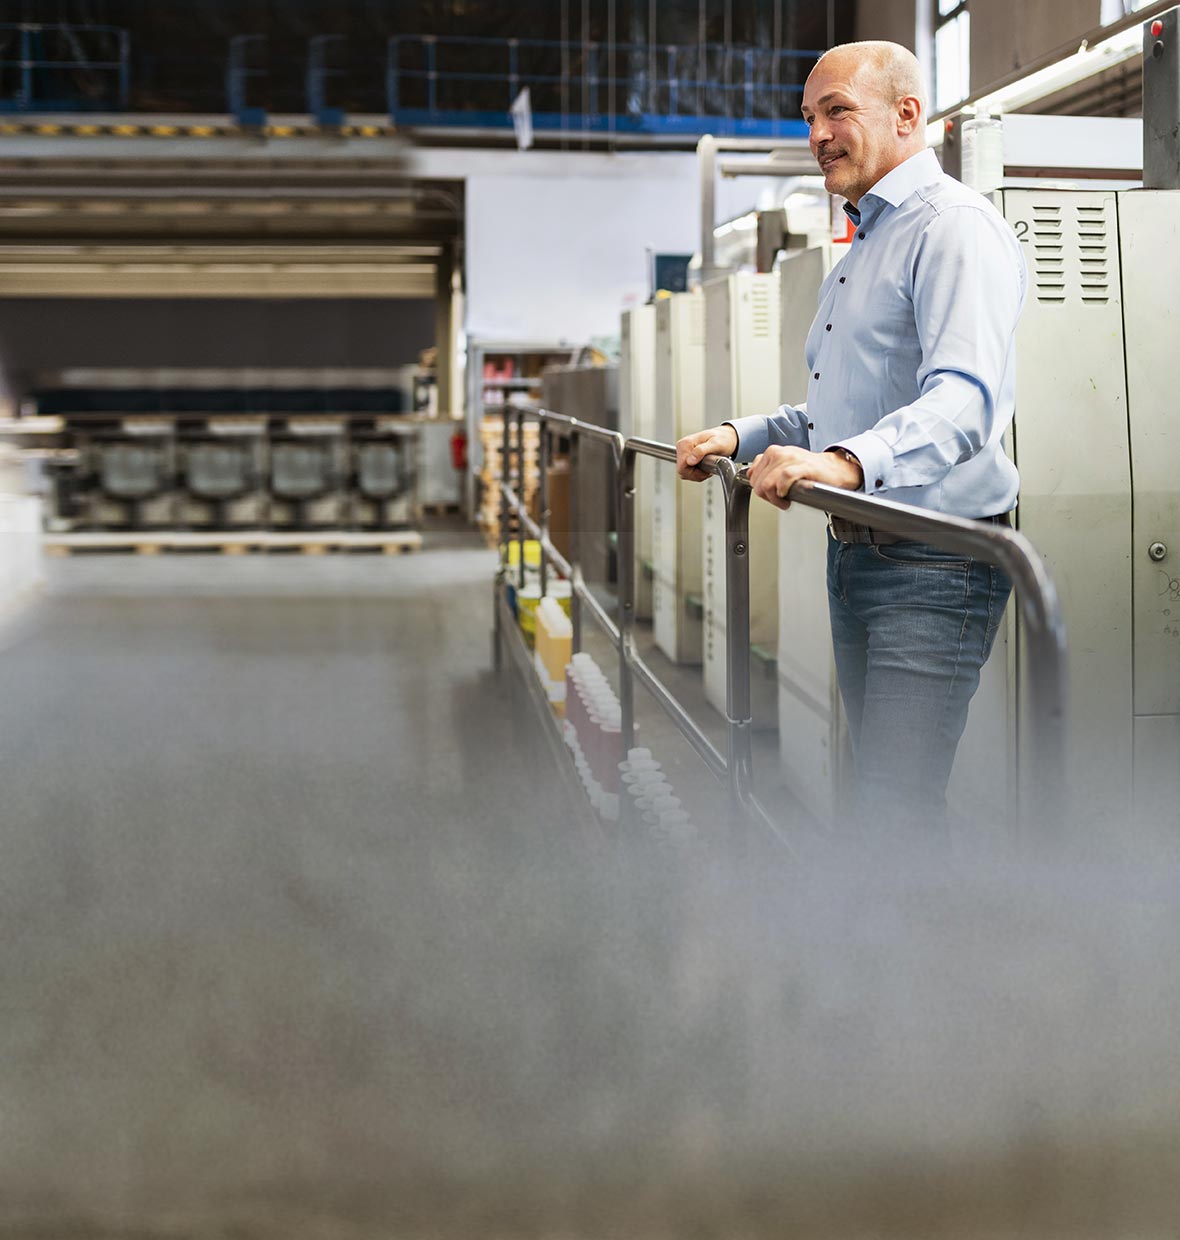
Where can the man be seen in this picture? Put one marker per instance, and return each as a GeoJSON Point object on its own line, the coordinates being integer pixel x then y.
{"type": "Point", "coordinates": [911, 389]}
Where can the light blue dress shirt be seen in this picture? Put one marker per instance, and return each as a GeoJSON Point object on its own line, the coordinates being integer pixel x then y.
{"type": "Point", "coordinates": [912, 354]}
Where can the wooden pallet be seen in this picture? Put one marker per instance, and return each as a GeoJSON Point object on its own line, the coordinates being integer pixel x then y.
{"type": "Point", "coordinates": [306, 542]}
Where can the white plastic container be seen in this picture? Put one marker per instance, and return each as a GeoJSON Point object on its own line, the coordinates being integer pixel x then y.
{"type": "Point", "coordinates": [982, 164]}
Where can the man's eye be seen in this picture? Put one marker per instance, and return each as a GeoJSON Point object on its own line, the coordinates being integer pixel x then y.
{"type": "Point", "coordinates": [837, 109]}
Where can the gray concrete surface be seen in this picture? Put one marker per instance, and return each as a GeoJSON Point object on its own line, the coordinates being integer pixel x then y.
{"type": "Point", "coordinates": [299, 943]}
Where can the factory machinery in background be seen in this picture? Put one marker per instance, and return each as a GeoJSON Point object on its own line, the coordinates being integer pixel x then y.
{"type": "Point", "coordinates": [1094, 439]}
{"type": "Point", "coordinates": [232, 450]}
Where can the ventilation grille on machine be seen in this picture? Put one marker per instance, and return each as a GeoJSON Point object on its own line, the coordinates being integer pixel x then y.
{"type": "Point", "coordinates": [1048, 252]}
{"type": "Point", "coordinates": [1090, 240]}
{"type": "Point", "coordinates": [760, 309]}
{"type": "Point", "coordinates": [1092, 243]}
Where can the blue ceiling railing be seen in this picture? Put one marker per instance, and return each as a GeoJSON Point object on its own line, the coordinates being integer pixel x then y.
{"type": "Point", "coordinates": [54, 67]}
{"type": "Point", "coordinates": [625, 88]}
{"type": "Point", "coordinates": [680, 90]}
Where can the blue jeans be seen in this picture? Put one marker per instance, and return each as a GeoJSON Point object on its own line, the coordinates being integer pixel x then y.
{"type": "Point", "coordinates": [912, 626]}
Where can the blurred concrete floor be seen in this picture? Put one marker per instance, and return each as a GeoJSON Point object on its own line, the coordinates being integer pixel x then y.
{"type": "Point", "coordinates": [222, 780]}
{"type": "Point", "coordinates": [299, 940]}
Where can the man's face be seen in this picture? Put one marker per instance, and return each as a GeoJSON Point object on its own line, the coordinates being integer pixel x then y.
{"type": "Point", "coordinates": [854, 134]}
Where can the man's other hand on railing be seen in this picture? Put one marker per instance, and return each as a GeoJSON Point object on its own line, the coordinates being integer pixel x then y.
{"type": "Point", "coordinates": [692, 449]}
{"type": "Point", "coordinates": [775, 472]}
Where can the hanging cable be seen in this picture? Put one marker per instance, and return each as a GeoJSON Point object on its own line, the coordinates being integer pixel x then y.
{"type": "Point", "coordinates": [611, 101]}
{"type": "Point", "coordinates": [565, 74]}
{"type": "Point", "coordinates": [653, 98]}
{"type": "Point", "coordinates": [776, 103]}
{"type": "Point", "coordinates": [586, 66]}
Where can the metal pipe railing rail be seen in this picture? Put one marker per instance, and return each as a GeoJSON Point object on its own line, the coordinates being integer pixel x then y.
{"type": "Point", "coordinates": [1007, 549]}
{"type": "Point", "coordinates": [620, 629]}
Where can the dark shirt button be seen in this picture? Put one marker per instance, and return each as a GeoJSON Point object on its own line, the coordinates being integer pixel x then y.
{"type": "Point", "coordinates": [811, 426]}
{"type": "Point", "coordinates": [816, 375]}
{"type": "Point", "coordinates": [828, 328]}
{"type": "Point", "coordinates": [861, 236]}
{"type": "Point", "coordinates": [880, 482]}
{"type": "Point", "coordinates": [842, 279]}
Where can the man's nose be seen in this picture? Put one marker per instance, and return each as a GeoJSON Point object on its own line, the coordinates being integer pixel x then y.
{"type": "Point", "coordinates": [819, 134]}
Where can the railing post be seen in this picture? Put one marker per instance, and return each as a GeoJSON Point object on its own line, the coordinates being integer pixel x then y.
{"type": "Point", "coordinates": [625, 523]}
{"type": "Point", "coordinates": [543, 498]}
{"type": "Point", "coordinates": [505, 480]}
{"type": "Point", "coordinates": [737, 636]}
{"type": "Point", "coordinates": [575, 541]}
{"type": "Point", "coordinates": [1048, 688]}
{"type": "Point", "coordinates": [513, 71]}
{"type": "Point", "coordinates": [501, 548]}
{"type": "Point", "coordinates": [1049, 801]}
{"type": "Point", "coordinates": [520, 493]}
{"type": "Point", "coordinates": [238, 75]}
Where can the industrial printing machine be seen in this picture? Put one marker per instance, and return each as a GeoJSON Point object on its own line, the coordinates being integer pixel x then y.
{"type": "Point", "coordinates": [1094, 438]}
{"type": "Point", "coordinates": [226, 450]}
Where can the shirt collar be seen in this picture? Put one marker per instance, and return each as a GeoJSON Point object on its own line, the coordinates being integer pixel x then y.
{"type": "Point", "coordinates": [911, 174]}
{"type": "Point", "coordinates": [896, 186]}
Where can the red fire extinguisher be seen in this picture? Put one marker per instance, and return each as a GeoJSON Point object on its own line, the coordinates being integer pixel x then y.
{"type": "Point", "coordinates": [459, 450]}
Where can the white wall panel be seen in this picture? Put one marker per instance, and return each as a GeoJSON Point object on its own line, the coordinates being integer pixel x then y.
{"type": "Point", "coordinates": [555, 254]}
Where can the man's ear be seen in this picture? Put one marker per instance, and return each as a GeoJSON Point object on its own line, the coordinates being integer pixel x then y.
{"type": "Point", "coordinates": [909, 114]}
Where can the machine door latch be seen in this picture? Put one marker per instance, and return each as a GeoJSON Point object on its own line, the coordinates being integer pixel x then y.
{"type": "Point", "coordinates": [1157, 551]}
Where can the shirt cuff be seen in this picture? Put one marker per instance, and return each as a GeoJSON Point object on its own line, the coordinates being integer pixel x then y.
{"type": "Point", "coordinates": [875, 459]}
{"type": "Point", "coordinates": [752, 436]}
{"type": "Point", "coordinates": [733, 454]}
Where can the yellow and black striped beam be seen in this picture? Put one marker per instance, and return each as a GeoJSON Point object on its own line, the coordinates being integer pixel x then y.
{"type": "Point", "coordinates": [228, 129]}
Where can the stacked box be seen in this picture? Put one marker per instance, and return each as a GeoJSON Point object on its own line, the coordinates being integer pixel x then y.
{"type": "Point", "coordinates": [553, 650]}
{"type": "Point", "coordinates": [491, 436]}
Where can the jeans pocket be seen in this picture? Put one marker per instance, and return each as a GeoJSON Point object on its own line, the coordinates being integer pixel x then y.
{"type": "Point", "coordinates": [919, 555]}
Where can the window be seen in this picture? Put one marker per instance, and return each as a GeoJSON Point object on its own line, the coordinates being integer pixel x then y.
{"type": "Point", "coordinates": [952, 53]}
{"type": "Point", "coordinates": [1113, 10]}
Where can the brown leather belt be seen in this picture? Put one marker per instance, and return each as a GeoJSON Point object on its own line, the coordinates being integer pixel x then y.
{"type": "Point", "coordinates": [849, 532]}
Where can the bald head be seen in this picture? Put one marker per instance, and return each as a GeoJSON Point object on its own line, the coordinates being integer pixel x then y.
{"type": "Point", "coordinates": [864, 104]}
{"type": "Point", "coordinates": [888, 68]}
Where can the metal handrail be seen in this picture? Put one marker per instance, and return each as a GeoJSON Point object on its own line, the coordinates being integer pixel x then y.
{"type": "Point", "coordinates": [1005, 548]}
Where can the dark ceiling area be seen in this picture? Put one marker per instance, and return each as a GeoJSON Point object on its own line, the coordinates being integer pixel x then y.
{"type": "Point", "coordinates": [174, 56]}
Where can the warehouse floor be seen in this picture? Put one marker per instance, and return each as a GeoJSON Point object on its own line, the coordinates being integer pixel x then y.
{"type": "Point", "coordinates": [303, 940]}
{"type": "Point", "coordinates": [223, 778]}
